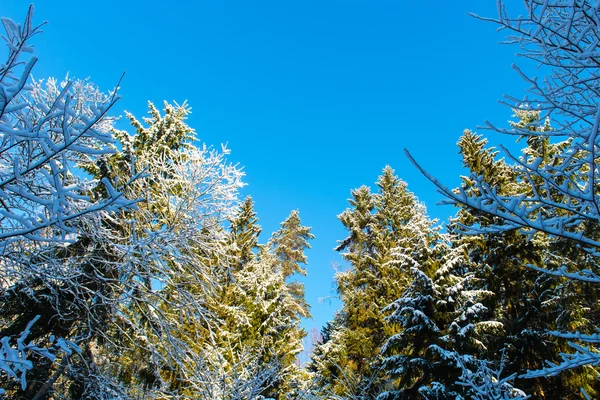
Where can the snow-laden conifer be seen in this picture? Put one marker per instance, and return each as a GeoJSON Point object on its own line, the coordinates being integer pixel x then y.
{"type": "Point", "coordinates": [289, 244]}
{"type": "Point", "coordinates": [403, 278]}
{"type": "Point", "coordinates": [557, 174]}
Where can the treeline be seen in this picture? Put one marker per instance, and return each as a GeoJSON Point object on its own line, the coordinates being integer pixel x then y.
{"type": "Point", "coordinates": [130, 267]}
{"type": "Point", "coordinates": [437, 315]}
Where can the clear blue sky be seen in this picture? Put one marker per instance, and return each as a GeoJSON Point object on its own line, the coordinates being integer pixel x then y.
{"type": "Point", "coordinates": [313, 97]}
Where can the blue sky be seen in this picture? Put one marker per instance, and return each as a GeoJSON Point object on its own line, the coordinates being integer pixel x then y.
{"type": "Point", "coordinates": [314, 98]}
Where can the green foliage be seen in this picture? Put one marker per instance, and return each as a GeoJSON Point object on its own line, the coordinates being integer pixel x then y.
{"type": "Point", "coordinates": [525, 303]}
{"type": "Point", "coordinates": [377, 224]}
{"type": "Point", "coordinates": [260, 307]}
{"type": "Point", "coordinates": [244, 233]}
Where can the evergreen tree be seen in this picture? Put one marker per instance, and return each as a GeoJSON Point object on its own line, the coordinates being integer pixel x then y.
{"type": "Point", "coordinates": [523, 302]}
{"type": "Point", "coordinates": [558, 190]}
{"type": "Point", "coordinates": [244, 232]}
{"type": "Point", "coordinates": [410, 308]}
{"type": "Point", "coordinates": [288, 245]}
{"type": "Point", "coordinates": [242, 243]}
{"type": "Point", "coordinates": [377, 223]}
{"type": "Point", "coordinates": [273, 330]}
{"type": "Point", "coordinates": [166, 317]}
{"type": "Point", "coordinates": [439, 315]}
{"type": "Point", "coordinates": [260, 307]}
{"type": "Point", "coordinates": [327, 356]}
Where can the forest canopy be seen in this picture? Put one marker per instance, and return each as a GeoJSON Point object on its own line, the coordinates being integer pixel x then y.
{"type": "Point", "coordinates": [131, 265]}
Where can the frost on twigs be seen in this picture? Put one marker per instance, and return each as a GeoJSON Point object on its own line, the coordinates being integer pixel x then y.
{"type": "Point", "coordinates": [14, 360]}
{"type": "Point", "coordinates": [583, 355]}
{"type": "Point", "coordinates": [46, 132]}
{"type": "Point", "coordinates": [562, 199]}
{"type": "Point", "coordinates": [168, 251]}
{"type": "Point", "coordinates": [556, 184]}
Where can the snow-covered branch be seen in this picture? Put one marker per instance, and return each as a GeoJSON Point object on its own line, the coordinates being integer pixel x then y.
{"type": "Point", "coordinates": [555, 186]}
{"type": "Point", "coordinates": [485, 382]}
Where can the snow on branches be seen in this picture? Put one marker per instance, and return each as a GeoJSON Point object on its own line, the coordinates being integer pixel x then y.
{"type": "Point", "coordinates": [45, 131]}
{"type": "Point", "coordinates": [484, 382]}
{"type": "Point", "coordinates": [563, 186]}
{"type": "Point", "coordinates": [557, 175]}
{"type": "Point", "coordinates": [105, 237]}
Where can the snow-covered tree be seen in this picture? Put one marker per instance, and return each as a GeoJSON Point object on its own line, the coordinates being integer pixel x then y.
{"type": "Point", "coordinates": [327, 356]}
{"type": "Point", "coordinates": [244, 232]}
{"type": "Point", "coordinates": [242, 244]}
{"type": "Point", "coordinates": [375, 223]}
{"type": "Point", "coordinates": [259, 306]}
{"type": "Point", "coordinates": [168, 247]}
{"type": "Point", "coordinates": [523, 303]}
{"type": "Point", "coordinates": [440, 315]}
{"type": "Point", "coordinates": [288, 245]}
{"type": "Point", "coordinates": [558, 189]}
{"type": "Point", "coordinates": [386, 229]}
{"type": "Point", "coordinates": [407, 360]}
{"type": "Point", "coordinates": [46, 132]}
{"type": "Point", "coordinates": [484, 382]}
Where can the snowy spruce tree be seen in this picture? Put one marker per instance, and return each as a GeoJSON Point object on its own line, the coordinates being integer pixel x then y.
{"type": "Point", "coordinates": [242, 242]}
{"type": "Point", "coordinates": [244, 232]}
{"type": "Point", "coordinates": [390, 247]}
{"type": "Point", "coordinates": [416, 254]}
{"type": "Point", "coordinates": [129, 270]}
{"type": "Point", "coordinates": [375, 222]}
{"type": "Point", "coordinates": [411, 310]}
{"type": "Point", "coordinates": [556, 191]}
{"type": "Point", "coordinates": [440, 317]}
{"type": "Point", "coordinates": [288, 245]}
{"type": "Point", "coordinates": [525, 304]}
{"type": "Point", "coordinates": [261, 306]}
{"type": "Point", "coordinates": [327, 356]}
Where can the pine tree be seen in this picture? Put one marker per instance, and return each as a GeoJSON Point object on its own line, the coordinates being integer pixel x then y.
{"type": "Point", "coordinates": [558, 195]}
{"type": "Point", "coordinates": [327, 356]}
{"type": "Point", "coordinates": [410, 309]}
{"type": "Point", "coordinates": [288, 245]}
{"type": "Point", "coordinates": [260, 306]}
{"type": "Point", "coordinates": [244, 232]}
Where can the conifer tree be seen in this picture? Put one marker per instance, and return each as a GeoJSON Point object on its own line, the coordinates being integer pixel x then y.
{"type": "Point", "coordinates": [377, 223]}
{"type": "Point", "coordinates": [523, 302]}
{"type": "Point", "coordinates": [242, 244]}
{"type": "Point", "coordinates": [327, 356]}
{"type": "Point", "coordinates": [409, 306]}
{"type": "Point", "coordinates": [559, 195]}
{"type": "Point", "coordinates": [272, 330]}
{"type": "Point", "coordinates": [288, 245]}
{"type": "Point", "coordinates": [244, 232]}
{"type": "Point", "coordinates": [260, 306]}
{"type": "Point", "coordinates": [439, 316]}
